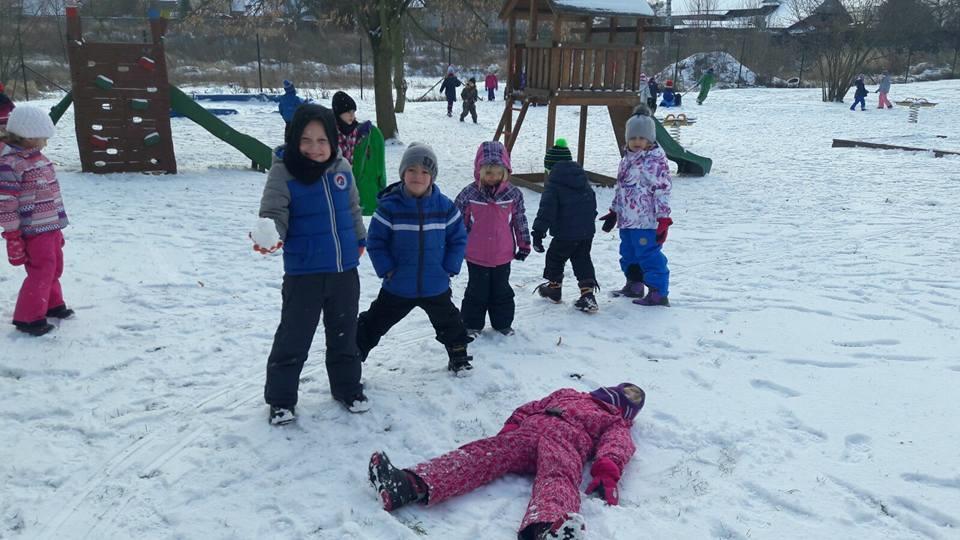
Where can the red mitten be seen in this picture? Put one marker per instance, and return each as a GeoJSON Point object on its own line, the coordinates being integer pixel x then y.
{"type": "Point", "coordinates": [265, 251]}
{"type": "Point", "coordinates": [605, 474]}
{"type": "Point", "coordinates": [16, 249]}
{"type": "Point", "coordinates": [663, 224]}
{"type": "Point", "coordinates": [507, 428]}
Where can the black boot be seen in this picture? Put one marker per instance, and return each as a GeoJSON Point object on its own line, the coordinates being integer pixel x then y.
{"type": "Point", "coordinates": [396, 487]}
{"type": "Point", "coordinates": [61, 312]}
{"type": "Point", "coordinates": [550, 290]}
{"type": "Point", "coordinates": [280, 416]}
{"type": "Point", "coordinates": [35, 328]}
{"type": "Point", "coordinates": [459, 359]}
{"type": "Point", "coordinates": [587, 302]}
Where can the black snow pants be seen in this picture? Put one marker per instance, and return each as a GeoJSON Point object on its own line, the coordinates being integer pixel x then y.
{"type": "Point", "coordinates": [389, 309]}
{"type": "Point", "coordinates": [575, 251]}
{"type": "Point", "coordinates": [488, 291]}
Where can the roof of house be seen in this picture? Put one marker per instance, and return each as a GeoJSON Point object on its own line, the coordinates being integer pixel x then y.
{"type": "Point", "coordinates": [596, 8]}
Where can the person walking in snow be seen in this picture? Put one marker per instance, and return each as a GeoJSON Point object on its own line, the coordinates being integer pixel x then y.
{"type": "Point", "coordinates": [497, 234]}
{"type": "Point", "coordinates": [654, 93]}
{"type": "Point", "coordinates": [860, 95]}
{"type": "Point", "coordinates": [669, 96]}
{"type": "Point", "coordinates": [312, 199]}
{"type": "Point", "coordinates": [551, 439]}
{"type": "Point", "coordinates": [883, 89]}
{"type": "Point", "coordinates": [491, 84]}
{"type": "Point", "coordinates": [449, 88]}
{"type": "Point", "coordinates": [362, 145]}
{"type": "Point", "coordinates": [416, 242]}
{"type": "Point", "coordinates": [32, 218]}
{"type": "Point", "coordinates": [645, 95]}
{"type": "Point", "coordinates": [289, 102]}
{"type": "Point", "coordinates": [641, 208]}
{"type": "Point", "coordinates": [469, 96]}
{"type": "Point", "coordinates": [705, 82]}
{"type": "Point", "coordinates": [568, 208]}
{"type": "Point", "coordinates": [6, 107]}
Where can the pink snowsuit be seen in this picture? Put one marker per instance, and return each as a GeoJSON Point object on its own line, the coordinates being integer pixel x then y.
{"type": "Point", "coordinates": [30, 202]}
{"type": "Point", "coordinates": [555, 438]}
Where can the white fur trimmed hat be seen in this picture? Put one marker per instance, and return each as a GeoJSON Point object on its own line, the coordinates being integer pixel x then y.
{"type": "Point", "coordinates": [30, 123]}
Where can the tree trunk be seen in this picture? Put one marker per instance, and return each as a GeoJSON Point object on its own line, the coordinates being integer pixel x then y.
{"type": "Point", "coordinates": [399, 52]}
{"type": "Point", "coordinates": [383, 87]}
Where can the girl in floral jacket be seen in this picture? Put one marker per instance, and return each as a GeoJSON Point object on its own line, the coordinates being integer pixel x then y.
{"type": "Point", "coordinates": [497, 234]}
{"type": "Point", "coordinates": [641, 208]}
{"type": "Point", "coordinates": [552, 439]}
{"type": "Point", "coordinates": [32, 216]}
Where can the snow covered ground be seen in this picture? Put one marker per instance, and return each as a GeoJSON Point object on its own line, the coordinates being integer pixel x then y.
{"type": "Point", "coordinates": [801, 386]}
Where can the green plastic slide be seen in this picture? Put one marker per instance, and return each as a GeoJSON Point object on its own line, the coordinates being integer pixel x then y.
{"type": "Point", "coordinates": [250, 147]}
{"type": "Point", "coordinates": [56, 112]}
{"type": "Point", "coordinates": [687, 162]}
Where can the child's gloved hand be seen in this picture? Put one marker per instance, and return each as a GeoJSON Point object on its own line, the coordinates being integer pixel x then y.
{"type": "Point", "coordinates": [663, 224]}
{"type": "Point", "coordinates": [16, 249]}
{"type": "Point", "coordinates": [265, 238]}
{"type": "Point", "coordinates": [609, 221]}
{"type": "Point", "coordinates": [521, 254]}
{"type": "Point", "coordinates": [605, 474]}
{"type": "Point", "coordinates": [538, 242]}
{"type": "Point", "coordinates": [362, 251]}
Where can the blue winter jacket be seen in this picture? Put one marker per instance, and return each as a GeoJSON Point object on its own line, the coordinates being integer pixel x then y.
{"type": "Point", "coordinates": [568, 206]}
{"type": "Point", "coordinates": [416, 244]}
{"type": "Point", "coordinates": [288, 104]}
{"type": "Point", "coordinates": [320, 223]}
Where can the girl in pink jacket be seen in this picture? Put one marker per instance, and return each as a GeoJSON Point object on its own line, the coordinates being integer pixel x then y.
{"type": "Point", "coordinates": [32, 216]}
{"type": "Point", "coordinates": [497, 233]}
{"type": "Point", "coordinates": [552, 439]}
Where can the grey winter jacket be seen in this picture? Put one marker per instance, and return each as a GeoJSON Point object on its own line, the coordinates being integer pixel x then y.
{"type": "Point", "coordinates": [884, 84]}
{"type": "Point", "coordinates": [275, 203]}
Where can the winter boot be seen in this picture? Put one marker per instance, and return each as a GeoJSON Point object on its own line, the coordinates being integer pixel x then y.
{"type": "Point", "coordinates": [550, 290]}
{"type": "Point", "coordinates": [633, 289]}
{"type": "Point", "coordinates": [395, 487]}
{"type": "Point", "coordinates": [459, 362]}
{"type": "Point", "coordinates": [474, 332]}
{"type": "Point", "coordinates": [357, 403]}
{"type": "Point", "coordinates": [280, 416]}
{"type": "Point", "coordinates": [567, 527]}
{"type": "Point", "coordinates": [61, 312]}
{"type": "Point", "coordinates": [653, 298]}
{"type": "Point", "coordinates": [508, 331]}
{"type": "Point", "coordinates": [587, 302]}
{"type": "Point", "coordinates": [35, 328]}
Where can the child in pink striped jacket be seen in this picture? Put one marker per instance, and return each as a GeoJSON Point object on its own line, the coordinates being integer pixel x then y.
{"type": "Point", "coordinates": [497, 234]}
{"type": "Point", "coordinates": [32, 216]}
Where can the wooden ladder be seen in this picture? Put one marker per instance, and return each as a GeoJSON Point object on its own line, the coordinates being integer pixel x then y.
{"type": "Point", "coordinates": [504, 128]}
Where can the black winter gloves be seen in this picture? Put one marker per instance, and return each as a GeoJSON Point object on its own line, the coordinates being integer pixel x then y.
{"type": "Point", "coordinates": [609, 221]}
{"type": "Point", "coordinates": [538, 241]}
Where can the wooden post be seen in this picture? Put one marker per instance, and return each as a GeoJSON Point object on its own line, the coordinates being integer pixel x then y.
{"type": "Point", "coordinates": [551, 123]}
{"type": "Point", "coordinates": [556, 54]}
{"type": "Point", "coordinates": [511, 56]}
{"type": "Point", "coordinates": [582, 144]}
{"type": "Point", "coordinates": [534, 21]}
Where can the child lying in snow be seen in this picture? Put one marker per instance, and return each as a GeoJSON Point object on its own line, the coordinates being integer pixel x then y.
{"type": "Point", "coordinates": [552, 439]}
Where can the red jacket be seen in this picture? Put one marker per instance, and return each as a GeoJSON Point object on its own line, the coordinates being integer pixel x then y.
{"type": "Point", "coordinates": [490, 81]}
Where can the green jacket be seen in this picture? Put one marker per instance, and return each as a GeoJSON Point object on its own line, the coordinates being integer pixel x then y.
{"type": "Point", "coordinates": [370, 169]}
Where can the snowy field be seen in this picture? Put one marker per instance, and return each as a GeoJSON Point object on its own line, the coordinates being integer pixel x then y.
{"type": "Point", "coordinates": [800, 386]}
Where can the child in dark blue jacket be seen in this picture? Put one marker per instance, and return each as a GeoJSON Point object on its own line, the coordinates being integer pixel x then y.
{"type": "Point", "coordinates": [312, 198]}
{"type": "Point", "coordinates": [568, 208]}
{"type": "Point", "coordinates": [417, 242]}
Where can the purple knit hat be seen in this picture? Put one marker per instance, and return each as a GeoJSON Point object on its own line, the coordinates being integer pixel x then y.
{"type": "Point", "coordinates": [491, 153]}
{"type": "Point", "coordinates": [616, 396]}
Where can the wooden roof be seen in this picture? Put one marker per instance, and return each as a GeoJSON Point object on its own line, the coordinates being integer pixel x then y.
{"type": "Point", "coordinates": [578, 8]}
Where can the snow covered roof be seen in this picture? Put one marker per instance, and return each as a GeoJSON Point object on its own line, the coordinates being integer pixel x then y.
{"type": "Point", "coordinates": [596, 8]}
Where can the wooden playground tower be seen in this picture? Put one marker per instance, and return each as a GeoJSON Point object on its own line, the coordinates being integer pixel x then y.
{"type": "Point", "coordinates": [121, 101]}
{"type": "Point", "coordinates": [586, 59]}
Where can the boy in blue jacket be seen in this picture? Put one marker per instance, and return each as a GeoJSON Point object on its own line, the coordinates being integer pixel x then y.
{"type": "Point", "coordinates": [312, 198]}
{"type": "Point", "coordinates": [416, 243]}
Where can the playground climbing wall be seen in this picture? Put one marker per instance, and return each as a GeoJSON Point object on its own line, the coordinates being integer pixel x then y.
{"type": "Point", "coordinates": [121, 101]}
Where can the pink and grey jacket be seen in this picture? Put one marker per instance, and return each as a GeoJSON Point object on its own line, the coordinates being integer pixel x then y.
{"type": "Point", "coordinates": [643, 189]}
{"type": "Point", "coordinates": [495, 218]}
{"type": "Point", "coordinates": [30, 199]}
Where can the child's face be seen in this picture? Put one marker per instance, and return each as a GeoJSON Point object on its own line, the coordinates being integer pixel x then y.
{"type": "Point", "coordinates": [638, 143]}
{"type": "Point", "coordinates": [38, 144]}
{"type": "Point", "coordinates": [492, 175]}
{"type": "Point", "coordinates": [348, 117]}
{"type": "Point", "coordinates": [314, 143]}
{"type": "Point", "coordinates": [416, 180]}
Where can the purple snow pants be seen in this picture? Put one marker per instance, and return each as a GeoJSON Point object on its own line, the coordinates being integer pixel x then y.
{"type": "Point", "coordinates": [553, 451]}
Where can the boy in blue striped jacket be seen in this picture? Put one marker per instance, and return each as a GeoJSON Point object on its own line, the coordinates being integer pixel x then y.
{"type": "Point", "coordinates": [416, 243]}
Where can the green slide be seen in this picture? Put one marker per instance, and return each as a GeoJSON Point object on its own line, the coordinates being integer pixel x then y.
{"type": "Point", "coordinates": [250, 147]}
{"type": "Point", "coordinates": [687, 162]}
{"type": "Point", "coordinates": [56, 112]}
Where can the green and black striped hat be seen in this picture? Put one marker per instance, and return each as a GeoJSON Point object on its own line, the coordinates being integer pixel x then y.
{"type": "Point", "coordinates": [558, 153]}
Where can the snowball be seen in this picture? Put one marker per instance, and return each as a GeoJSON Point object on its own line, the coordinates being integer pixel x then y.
{"type": "Point", "coordinates": [265, 233]}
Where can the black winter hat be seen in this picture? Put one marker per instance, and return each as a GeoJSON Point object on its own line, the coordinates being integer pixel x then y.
{"type": "Point", "coordinates": [559, 152]}
{"type": "Point", "coordinates": [343, 103]}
